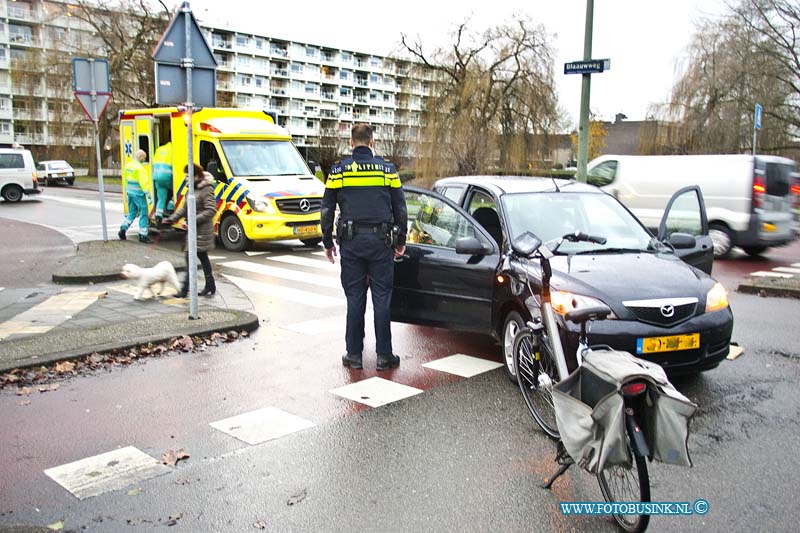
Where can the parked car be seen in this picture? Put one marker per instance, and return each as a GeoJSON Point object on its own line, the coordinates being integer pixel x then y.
{"type": "Point", "coordinates": [451, 275]}
{"type": "Point", "coordinates": [17, 174]}
{"type": "Point", "coordinates": [748, 198]}
{"type": "Point", "coordinates": [55, 171]}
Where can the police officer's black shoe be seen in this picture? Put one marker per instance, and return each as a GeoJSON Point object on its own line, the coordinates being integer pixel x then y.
{"type": "Point", "coordinates": [121, 234]}
{"type": "Point", "coordinates": [352, 360]}
{"type": "Point", "coordinates": [387, 361]}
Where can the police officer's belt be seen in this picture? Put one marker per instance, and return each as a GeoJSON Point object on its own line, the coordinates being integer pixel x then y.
{"type": "Point", "coordinates": [370, 228]}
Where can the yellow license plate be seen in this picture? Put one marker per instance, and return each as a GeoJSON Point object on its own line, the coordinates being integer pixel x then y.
{"type": "Point", "coordinates": [672, 343]}
{"type": "Point", "coordinates": [306, 230]}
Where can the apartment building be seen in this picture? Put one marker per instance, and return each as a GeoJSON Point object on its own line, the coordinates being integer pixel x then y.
{"type": "Point", "coordinates": [317, 92]}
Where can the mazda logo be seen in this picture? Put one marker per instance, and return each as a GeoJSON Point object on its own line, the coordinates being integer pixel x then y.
{"type": "Point", "coordinates": [305, 205]}
{"type": "Point", "coordinates": [667, 310]}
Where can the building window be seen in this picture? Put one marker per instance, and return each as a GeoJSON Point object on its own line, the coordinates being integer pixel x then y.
{"type": "Point", "coordinates": [311, 52]}
{"type": "Point", "coordinates": [242, 40]}
{"type": "Point", "coordinates": [259, 43]}
{"type": "Point", "coordinates": [375, 62]}
{"type": "Point", "coordinates": [244, 80]}
{"type": "Point", "coordinates": [311, 88]}
{"type": "Point", "coordinates": [347, 57]}
{"type": "Point", "coordinates": [344, 74]}
{"type": "Point", "coordinates": [297, 68]}
{"type": "Point", "coordinates": [296, 85]}
{"type": "Point", "coordinates": [310, 124]}
{"type": "Point", "coordinates": [373, 78]}
{"type": "Point", "coordinates": [344, 91]}
{"type": "Point", "coordinates": [243, 61]}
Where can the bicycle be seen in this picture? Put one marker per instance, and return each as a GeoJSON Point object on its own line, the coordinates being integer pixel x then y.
{"type": "Point", "coordinates": [538, 356]}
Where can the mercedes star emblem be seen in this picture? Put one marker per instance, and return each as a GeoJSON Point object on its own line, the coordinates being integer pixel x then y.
{"type": "Point", "coordinates": [667, 310]}
{"type": "Point", "coordinates": [305, 205]}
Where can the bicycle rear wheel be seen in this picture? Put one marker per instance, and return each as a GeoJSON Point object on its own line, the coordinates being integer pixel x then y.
{"type": "Point", "coordinates": [627, 485]}
{"type": "Point", "coordinates": [536, 375]}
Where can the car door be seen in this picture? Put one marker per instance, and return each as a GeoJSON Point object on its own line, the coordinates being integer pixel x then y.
{"type": "Point", "coordinates": [686, 215]}
{"type": "Point", "coordinates": [436, 285]}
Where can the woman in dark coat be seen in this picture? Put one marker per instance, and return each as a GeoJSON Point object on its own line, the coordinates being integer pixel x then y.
{"type": "Point", "coordinates": [206, 208]}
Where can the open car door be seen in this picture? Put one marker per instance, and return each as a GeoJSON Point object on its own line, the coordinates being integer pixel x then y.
{"type": "Point", "coordinates": [446, 278]}
{"type": "Point", "coordinates": [684, 226]}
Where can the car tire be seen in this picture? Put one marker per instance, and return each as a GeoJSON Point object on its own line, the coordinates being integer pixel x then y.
{"type": "Point", "coordinates": [12, 193]}
{"type": "Point", "coordinates": [71, 181]}
{"type": "Point", "coordinates": [311, 243]}
{"type": "Point", "coordinates": [49, 182]}
{"type": "Point", "coordinates": [754, 251]}
{"type": "Point", "coordinates": [231, 234]}
{"type": "Point", "coordinates": [722, 237]}
{"type": "Point", "coordinates": [511, 326]}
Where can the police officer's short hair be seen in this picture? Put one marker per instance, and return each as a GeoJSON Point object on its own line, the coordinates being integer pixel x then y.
{"type": "Point", "coordinates": [361, 133]}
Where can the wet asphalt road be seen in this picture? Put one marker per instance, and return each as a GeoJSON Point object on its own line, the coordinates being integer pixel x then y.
{"type": "Point", "coordinates": [30, 252]}
{"type": "Point", "coordinates": [461, 456]}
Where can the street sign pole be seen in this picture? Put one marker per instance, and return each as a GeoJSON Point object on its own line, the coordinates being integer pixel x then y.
{"type": "Point", "coordinates": [583, 128]}
{"type": "Point", "coordinates": [756, 125]}
{"type": "Point", "coordinates": [190, 198]}
{"type": "Point", "coordinates": [99, 156]}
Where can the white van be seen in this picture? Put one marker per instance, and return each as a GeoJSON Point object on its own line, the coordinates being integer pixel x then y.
{"type": "Point", "coordinates": [748, 199]}
{"type": "Point", "coordinates": [17, 174]}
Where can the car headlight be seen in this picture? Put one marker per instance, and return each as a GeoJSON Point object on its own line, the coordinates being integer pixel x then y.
{"type": "Point", "coordinates": [717, 298]}
{"type": "Point", "coordinates": [260, 206]}
{"type": "Point", "coordinates": [563, 302]}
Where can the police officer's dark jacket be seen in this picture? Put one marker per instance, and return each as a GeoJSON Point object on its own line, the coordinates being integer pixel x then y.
{"type": "Point", "coordinates": [367, 190]}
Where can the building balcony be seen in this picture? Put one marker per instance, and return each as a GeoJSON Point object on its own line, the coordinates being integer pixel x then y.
{"type": "Point", "coordinates": [280, 52]}
{"type": "Point", "coordinates": [220, 43]}
{"type": "Point", "coordinates": [328, 95]}
{"type": "Point", "coordinates": [280, 72]}
{"type": "Point", "coordinates": [23, 39]}
{"type": "Point", "coordinates": [224, 86]}
{"type": "Point", "coordinates": [20, 13]}
{"type": "Point", "coordinates": [6, 137]}
{"type": "Point", "coordinates": [27, 114]}
{"type": "Point", "coordinates": [6, 114]}
{"type": "Point", "coordinates": [328, 113]}
{"type": "Point", "coordinates": [278, 91]}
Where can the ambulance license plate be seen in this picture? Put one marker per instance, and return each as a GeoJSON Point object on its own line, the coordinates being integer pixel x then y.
{"type": "Point", "coordinates": [672, 343]}
{"type": "Point", "coordinates": [307, 230]}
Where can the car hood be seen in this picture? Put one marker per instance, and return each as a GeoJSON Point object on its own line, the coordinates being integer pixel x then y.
{"type": "Point", "coordinates": [614, 278]}
{"type": "Point", "coordinates": [280, 186]}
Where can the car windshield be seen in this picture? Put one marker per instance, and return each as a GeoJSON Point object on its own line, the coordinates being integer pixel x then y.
{"type": "Point", "coordinates": [552, 215]}
{"type": "Point", "coordinates": [59, 165]}
{"type": "Point", "coordinates": [263, 158]}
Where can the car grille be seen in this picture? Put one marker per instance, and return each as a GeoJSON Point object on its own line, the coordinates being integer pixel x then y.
{"type": "Point", "coordinates": [294, 206]}
{"type": "Point", "coordinates": [663, 312]}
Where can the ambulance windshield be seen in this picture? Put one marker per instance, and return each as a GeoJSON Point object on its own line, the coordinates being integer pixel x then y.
{"type": "Point", "coordinates": [263, 159]}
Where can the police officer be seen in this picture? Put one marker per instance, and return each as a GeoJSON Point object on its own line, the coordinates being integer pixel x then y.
{"type": "Point", "coordinates": [372, 208]}
{"type": "Point", "coordinates": [137, 189]}
{"type": "Point", "coordinates": [162, 178]}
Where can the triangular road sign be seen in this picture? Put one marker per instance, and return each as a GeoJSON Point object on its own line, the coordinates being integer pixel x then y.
{"type": "Point", "coordinates": [171, 48]}
{"type": "Point", "coordinates": [85, 100]}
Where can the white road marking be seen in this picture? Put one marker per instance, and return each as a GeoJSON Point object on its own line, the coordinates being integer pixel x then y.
{"type": "Point", "coordinates": [262, 425]}
{"type": "Point", "coordinates": [110, 206]}
{"type": "Point", "coordinates": [318, 253]}
{"type": "Point", "coordinates": [216, 257]}
{"type": "Point", "coordinates": [50, 313]}
{"type": "Point", "coordinates": [284, 273]}
{"type": "Point", "coordinates": [106, 472]}
{"type": "Point", "coordinates": [787, 270]}
{"type": "Point", "coordinates": [762, 274]}
{"type": "Point", "coordinates": [306, 261]}
{"type": "Point", "coordinates": [796, 265]}
{"type": "Point", "coordinates": [285, 293]}
{"type": "Point", "coordinates": [463, 365]}
{"type": "Point", "coordinates": [375, 392]}
{"type": "Point", "coordinates": [251, 254]}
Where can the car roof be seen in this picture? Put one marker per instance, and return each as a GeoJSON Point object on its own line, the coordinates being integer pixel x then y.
{"type": "Point", "coordinates": [54, 161]}
{"type": "Point", "coordinates": [514, 184]}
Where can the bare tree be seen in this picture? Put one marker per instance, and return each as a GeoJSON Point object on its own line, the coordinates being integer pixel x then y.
{"type": "Point", "coordinates": [328, 148]}
{"type": "Point", "coordinates": [481, 96]}
{"type": "Point", "coordinates": [395, 144]}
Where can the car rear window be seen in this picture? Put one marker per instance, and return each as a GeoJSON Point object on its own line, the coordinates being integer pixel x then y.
{"type": "Point", "coordinates": [779, 178]}
{"type": "Point", "coordinates": [59, 165]}
{"type": "Point", "coordinates": [11, 161]}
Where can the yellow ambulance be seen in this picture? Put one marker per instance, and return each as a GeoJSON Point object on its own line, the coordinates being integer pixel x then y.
{"type": "Point", "coordinates": [264, 189]}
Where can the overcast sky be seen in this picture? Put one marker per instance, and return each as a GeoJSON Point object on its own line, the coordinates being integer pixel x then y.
{"type": "Point", "coordinates": [644, 39]}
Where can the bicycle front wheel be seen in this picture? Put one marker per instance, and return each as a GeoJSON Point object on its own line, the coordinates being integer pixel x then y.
{"type": "Point", "coordinates": [627, 485]}
{"type": "Point", "coordinates": [536, 375]}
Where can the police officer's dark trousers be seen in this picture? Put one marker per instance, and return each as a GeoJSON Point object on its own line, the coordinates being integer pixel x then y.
{"type": "Point", "coordinates": [367, 259]}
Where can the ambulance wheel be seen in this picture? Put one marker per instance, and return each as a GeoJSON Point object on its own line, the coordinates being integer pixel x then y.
{"type": "Point", "coordinates": [311, 243]}
{"type": "Point", "coordinates": [12, 193]}
{"type": "Point", "coordinates": [231, 234]}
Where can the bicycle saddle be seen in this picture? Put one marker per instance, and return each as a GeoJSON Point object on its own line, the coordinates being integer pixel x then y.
{"type": "Point", "coordinates": [596, 312]}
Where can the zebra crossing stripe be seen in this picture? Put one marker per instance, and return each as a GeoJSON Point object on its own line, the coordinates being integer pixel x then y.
{"type": "Point", "coordinates": [262, 425]}
{"type": "Point", "coordinates": [284, 273]}
{"type": "Point", "coordinates": [787, 270]}
{"type": "Point", "coordinates": [763, 274]}
{"type": "Point", "coordinates": [251, 254]}
{"type": "Point", "coordinates": [285, 293]}
{"type": "Point", "coordinates": [306, 261]}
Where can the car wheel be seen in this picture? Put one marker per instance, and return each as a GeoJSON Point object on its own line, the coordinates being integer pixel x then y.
{"type": "Point", "coordinates": [722, 238]}
{"type": "Point", "coordinates": [71, 181]}
{"type": "Point", "coordinates": [311, 243]}
{"type": "Point", "coordinates": [511, 327]}
{"type": "Point", "coordinates": [49, 182]}
{"type": "Point", "coordinates": [754, 251]}
{"type": "Point", "coordinates": [231, 234]}
{"type": "Point", "coordinates": [12, 193]}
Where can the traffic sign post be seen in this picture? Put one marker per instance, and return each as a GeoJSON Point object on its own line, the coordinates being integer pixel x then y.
{"type": "Point", "coordinates": [181, 51]}
{"type": "Point", "coordinates": [756, 125]}
{"type": "Point", "coordinates": [91, 88]}
{"type": "Point", "coordinates": [592, 66]}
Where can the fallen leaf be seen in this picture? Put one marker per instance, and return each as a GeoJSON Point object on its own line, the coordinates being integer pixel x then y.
{"type": "Point", "coordinates": [49, 388]}
{"type": "Point", "coordinates": [173, 519]}
{"type": "Point", "coordinates": [24, 402]}
{"type": "Point", "coordinates": [65, 367]}
{"type": "Point", "coordinates": [172, 457]}
{"type": "Point", "coordinates": [58, 526]}
{"type": "Point", "coordinates": [298, 497]}
{"type": "Point", "coordinates": [135, 492]}
{"type": "Point", "coordinates": [244, 333]}
{"type": "Point", "coordinates": [24, 391]}
{"type": "Point", "coordinates": [260, 524]}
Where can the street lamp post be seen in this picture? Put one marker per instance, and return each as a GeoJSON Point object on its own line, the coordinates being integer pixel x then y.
{"type": "Point", "coordinates": [583, 128]}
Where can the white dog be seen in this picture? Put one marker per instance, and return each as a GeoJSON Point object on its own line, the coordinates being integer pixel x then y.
{"type": "Point", "coordinates": [147, 278]}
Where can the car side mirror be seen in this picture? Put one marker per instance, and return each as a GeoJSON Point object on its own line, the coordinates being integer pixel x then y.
{"type": "Point", "coordinates": [526, 244]}
{"type": "Point", "coordinates": [682, 241]}
{"type": "Point", "coordinates": [471, 246]}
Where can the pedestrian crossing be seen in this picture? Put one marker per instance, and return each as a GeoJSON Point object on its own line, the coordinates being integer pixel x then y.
{"type": "Point", "coordinates": [779, 272]}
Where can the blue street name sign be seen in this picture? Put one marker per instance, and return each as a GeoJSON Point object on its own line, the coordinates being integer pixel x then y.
{"type": "Point", "coordinates": [758, 116]}
{"type": "Point", "coordinates": [587, 67]}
